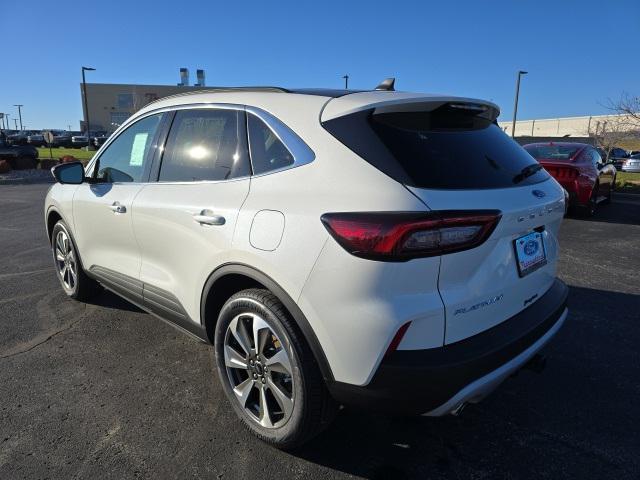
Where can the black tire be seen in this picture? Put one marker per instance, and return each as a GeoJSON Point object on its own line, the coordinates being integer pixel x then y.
{"type": "Point", "coordinates": [313, 408]}
{"type": "Point", "coordinates": [589, 210]}
{"type": "Point", "coordinates": [82, 288]}
{"type": "Point", "coordinates": [610, 195]}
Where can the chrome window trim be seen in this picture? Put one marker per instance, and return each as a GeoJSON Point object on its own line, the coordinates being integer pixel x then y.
{"type": "Point", "coordinates": [301, 152]}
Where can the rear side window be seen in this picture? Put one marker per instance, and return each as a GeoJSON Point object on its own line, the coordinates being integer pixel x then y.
{"type": "Point", "coordinates": [267, 151]}
{"type": "Point", "coordinates": [205, 144]}
{"type": "Point", "coordinates": [447, 148]}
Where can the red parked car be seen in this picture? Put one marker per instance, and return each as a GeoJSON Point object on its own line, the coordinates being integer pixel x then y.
{"type": "Point", "coordinates": [580, 169]}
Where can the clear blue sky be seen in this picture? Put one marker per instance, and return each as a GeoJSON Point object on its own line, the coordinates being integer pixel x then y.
{"type": "Point", "coordinates": [578, 53]}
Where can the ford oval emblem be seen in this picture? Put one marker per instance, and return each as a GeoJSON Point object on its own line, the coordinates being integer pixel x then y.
{"type": "Point", "coordinates": [538, 193]}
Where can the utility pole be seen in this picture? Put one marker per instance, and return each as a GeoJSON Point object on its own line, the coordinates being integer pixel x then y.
{"type": "Point", "coordinates": [515, 106]}
{"type": "Point", "coordinates": [20, 114]}
{"type": "Point", "coordinates": [84, 94]}
{"type": "Point", "coordinates": [346, 82]}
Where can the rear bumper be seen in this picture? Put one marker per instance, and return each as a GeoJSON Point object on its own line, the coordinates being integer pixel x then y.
{"type": "Point", "coordinates": [579, 193]}
{"type": "Point", "coordinates": [438, 381]}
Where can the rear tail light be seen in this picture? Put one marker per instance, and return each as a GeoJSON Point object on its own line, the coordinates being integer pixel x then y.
{"type": "Point", "coordinates": [403, 236]}
{"type": "Point", "coordinates": [566, 173]}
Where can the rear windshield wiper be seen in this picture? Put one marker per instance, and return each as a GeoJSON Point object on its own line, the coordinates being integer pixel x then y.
{"type": "Point", "coordinates": [527, 172]}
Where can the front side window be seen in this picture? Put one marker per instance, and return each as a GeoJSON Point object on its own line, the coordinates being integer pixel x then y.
{"type": "Point", "coordinates": [267, 151]}
{"type": "Point", "coordinates": [127, 158]}
{"type": "Point", "coordinates": [205, 144]}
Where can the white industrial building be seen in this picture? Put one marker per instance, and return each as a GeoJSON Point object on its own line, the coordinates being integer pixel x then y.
{"type": "Point", "coordinates": [586, 126]}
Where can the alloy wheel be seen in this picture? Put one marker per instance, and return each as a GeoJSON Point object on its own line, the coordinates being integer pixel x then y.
{"type": "Point", "coordinates": [259, 370]}
{"type": "Point", "coordinates": [66, 260]}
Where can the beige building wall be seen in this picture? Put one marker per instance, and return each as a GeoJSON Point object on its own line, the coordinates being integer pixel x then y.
{"type": "Point", "coordinates": [110, 104]}
{"type": "Point", "coordinates": [561, 127]}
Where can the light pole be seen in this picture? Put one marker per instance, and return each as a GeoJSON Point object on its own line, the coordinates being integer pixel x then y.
{"type": "Point", "coordinates": [346, 82]}
{"type": "Point", "coordinates": [15, 123]}
{"type": "Point", "coordinates": [84, 94]}
{"type": "Point", "coordinates": [515, 106]}
{"type": "Point", "coordinates": [20, 114]}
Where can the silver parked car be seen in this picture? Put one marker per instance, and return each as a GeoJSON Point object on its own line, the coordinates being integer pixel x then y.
{"type": "Point", "coordinates": [632, 164]}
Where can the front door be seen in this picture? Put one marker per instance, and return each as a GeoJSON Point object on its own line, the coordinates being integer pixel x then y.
{"type": "Point", "coordinates": [102, 208]}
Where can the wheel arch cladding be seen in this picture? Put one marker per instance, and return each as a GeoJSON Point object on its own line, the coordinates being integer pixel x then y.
{"type": "Point", "coordinates": [232, 278]}
{"type": "Point", "coordinates": [52, 218]}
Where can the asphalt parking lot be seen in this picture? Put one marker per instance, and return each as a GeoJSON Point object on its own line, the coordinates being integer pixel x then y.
{"type": "Point", "coordinates": [107, 391]}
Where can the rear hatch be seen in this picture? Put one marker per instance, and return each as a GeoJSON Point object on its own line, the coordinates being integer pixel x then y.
{"type": "Point", "coordinates": [452, 155]}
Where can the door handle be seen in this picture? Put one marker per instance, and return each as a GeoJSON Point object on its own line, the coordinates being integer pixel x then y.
{"type": "Point", "coordinates": [117, 208]}
{"type": "Point", "coordinates": [207, 217]}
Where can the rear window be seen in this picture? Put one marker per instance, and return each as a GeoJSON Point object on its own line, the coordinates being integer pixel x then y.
{"type": "Point", "coordinates": [447, 148]}
{"type": "Point", "coordinates": [552, 152]}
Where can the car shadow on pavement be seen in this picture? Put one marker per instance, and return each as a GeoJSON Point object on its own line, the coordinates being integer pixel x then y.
{"type": "Point", "coordinates": [624, 212]}
{"type": "Point", "coordinates": [108, 299]}
{"type": "Point", "coordinates": [569, 422]}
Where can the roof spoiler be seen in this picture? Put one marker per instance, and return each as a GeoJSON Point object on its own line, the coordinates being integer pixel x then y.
{"type": "Point", "coordinates": [404, 102]}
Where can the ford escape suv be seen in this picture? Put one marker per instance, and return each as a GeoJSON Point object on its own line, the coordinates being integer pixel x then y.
{"type": "Point", "coordinates": [388, 250]}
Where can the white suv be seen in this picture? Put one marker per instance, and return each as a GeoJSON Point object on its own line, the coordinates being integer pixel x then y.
{"type": "Point", "coordinates": [381, 249]}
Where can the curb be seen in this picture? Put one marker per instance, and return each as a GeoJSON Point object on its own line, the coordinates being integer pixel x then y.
{"type": "Point", "coordinates": [24, 181]}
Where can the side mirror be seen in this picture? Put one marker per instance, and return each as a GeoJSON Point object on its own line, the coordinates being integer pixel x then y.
{"type": "Point", "coordinates": [72, 173]}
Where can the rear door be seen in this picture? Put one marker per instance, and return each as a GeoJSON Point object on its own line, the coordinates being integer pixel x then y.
{"type": "Point", "coordinates": [454, 157]}
{"type": "Point", "coordinates": [184, 221]}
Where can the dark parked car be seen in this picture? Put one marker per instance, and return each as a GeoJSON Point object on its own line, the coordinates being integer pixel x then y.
{"type": "Point", "coordinates": [64, 139]}
{"type": "Point", "coordinates": [84, 140]}
{"type": "Point", "coordinates": [38, 139]}
{"type": "Point", "coordinates": [580, 169]}
{"type": "Point", "coordinates": [99, 140]}
{"type": "Point", "coordinates": [19, 156]}
{"type": "Point", "coordinates": [20, 138]}
{"type": "Point", "coordinates": [617, 156]}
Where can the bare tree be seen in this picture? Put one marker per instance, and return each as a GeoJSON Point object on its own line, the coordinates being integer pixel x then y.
{"type": "Point", "coordinates": [628, 107]}
{"type": "Point", "coordinates": [611, 132]}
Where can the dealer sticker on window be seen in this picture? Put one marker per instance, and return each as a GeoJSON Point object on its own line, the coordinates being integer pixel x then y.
{"type": "Point", "coordinates": [530, 253]}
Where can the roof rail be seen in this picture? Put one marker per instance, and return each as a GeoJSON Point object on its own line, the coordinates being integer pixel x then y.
{"type": "Point", "coordinates": [223, 89]}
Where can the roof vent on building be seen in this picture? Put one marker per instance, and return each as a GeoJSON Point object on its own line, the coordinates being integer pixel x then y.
{"type": "Point", "coordinates": [184, 77]}
{"type": "Point", "coordinates": [200, 78]}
